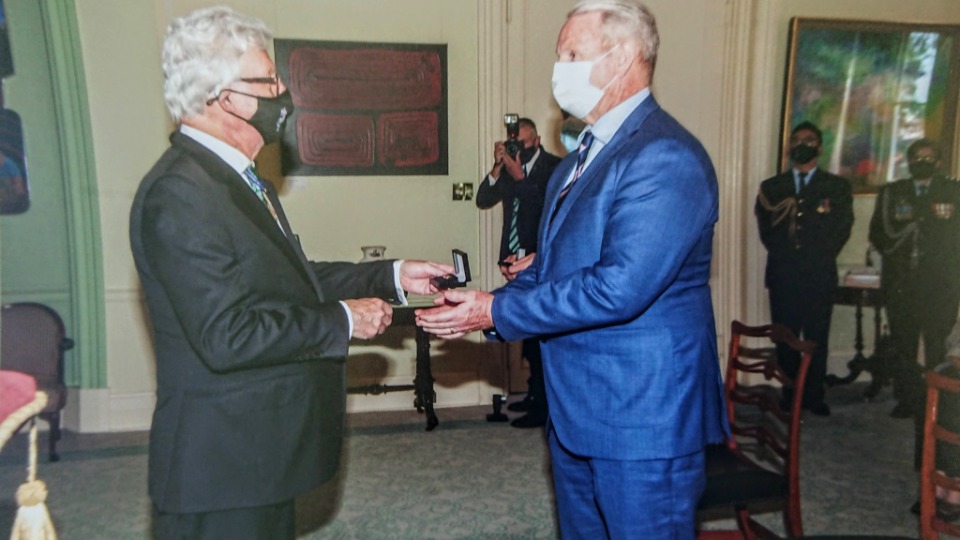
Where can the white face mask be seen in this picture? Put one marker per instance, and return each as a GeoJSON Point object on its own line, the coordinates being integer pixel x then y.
{"type": "Point", "coordinates": [572, 88]}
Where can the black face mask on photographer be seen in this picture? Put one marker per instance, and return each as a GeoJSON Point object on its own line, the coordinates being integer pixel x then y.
{"type": "Point", "coordinates": [527, 154]}
{"type": "Point", "coordinates": [271, 115]}
{"type": "Point", "coordinates": [803, 153]}
{"type": "Point", "coordinates": [922, 168]}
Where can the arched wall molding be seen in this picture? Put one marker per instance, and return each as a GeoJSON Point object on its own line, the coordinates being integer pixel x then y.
{"type": "Point", "coordinates": [82, 202]}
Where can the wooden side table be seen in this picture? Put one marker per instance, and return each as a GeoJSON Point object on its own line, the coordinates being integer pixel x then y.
{"type": "Point", "coordinates": [424, 394]}
{"type": "Point", "coordinates": [861, 297]}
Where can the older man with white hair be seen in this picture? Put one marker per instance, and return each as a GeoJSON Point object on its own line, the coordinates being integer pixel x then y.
{"type": "Point", "coordinates": [250, 336]}
{"type": "Point", "coordinates": [618, 294]}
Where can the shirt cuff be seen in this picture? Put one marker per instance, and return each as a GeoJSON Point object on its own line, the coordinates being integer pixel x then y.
{"type": "Point", "coordinates": [346, 308]}
{"type": "Point", "coordinates": [491, 179]}
{"type": "Point", "coordinates": [396, 282]}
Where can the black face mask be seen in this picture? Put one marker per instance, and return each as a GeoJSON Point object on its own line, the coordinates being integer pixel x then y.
{"type": "Point", "coordinates": [803, 153]}
{"type": "Point", "coordinates": [271, 115]}
{"type": "Point", "coordinates": [527, 154]}
{"type": "Point", "coordinates": [922, 169]}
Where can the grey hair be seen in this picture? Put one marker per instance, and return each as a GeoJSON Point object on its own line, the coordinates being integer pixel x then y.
{"type": "Point", "coordinates": [201, 54]}
{"type": "Point", "coordinates": [625, 20]}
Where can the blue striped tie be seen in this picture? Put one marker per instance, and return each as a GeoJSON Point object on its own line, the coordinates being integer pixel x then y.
{"type": "Point", "coordinates": [581, 162]}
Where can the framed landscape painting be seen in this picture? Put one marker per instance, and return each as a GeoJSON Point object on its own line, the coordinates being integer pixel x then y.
{"type": "Point", "coordinates": [872, 88]}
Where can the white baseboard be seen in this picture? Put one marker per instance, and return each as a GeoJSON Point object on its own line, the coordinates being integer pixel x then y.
{"type": "Point", "coordinates": [96, 410]}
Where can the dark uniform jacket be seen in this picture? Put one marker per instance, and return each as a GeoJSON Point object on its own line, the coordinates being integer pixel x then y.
{"type": "Point", "coordinates": [919, 240]}
{"type": "Point", "coordinates": [530, 191]}
{"type": "Point", "coordinates": [804, 232]}
{"type": "Point", "coordinates": [249, 346]}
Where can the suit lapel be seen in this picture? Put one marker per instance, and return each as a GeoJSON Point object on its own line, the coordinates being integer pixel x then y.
{"type": "Point", "coordinates": [249, 204]}
{"type": "Point", "coordinates": [595, 172]}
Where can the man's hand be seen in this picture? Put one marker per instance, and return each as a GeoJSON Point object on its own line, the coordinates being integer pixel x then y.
{"type": "Point", "coordinates": [513, 166]}
{"type": "Point", "coordinates": [510, 272]}
{"type": "Point", "coordinates": [505, 268]}
{"type": "Point", "coordinates": [460, 312]}
{"type": "Point", "coordinates": [415, 275]}
{"type": "Point", "coordinates": [371, 316]}
{"type": "Point", "coordinates": [502, 159]}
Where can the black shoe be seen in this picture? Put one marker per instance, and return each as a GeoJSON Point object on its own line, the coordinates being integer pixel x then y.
{"type": "Point", "coordinates": [820, 409]}
{"type": "Point", "coordinates": [902, 410]}
{"type": "Point", "coordinates": [523, 405]}
{"type": "Point", "coordinates": [530, 420]}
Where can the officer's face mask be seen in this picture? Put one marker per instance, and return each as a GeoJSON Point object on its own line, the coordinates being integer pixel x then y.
{"type": "Point", "coordinates": [803, 153]}
{"type": "Point", "coordinates": [923, 168]}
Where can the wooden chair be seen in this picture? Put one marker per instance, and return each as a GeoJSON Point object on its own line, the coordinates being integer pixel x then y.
{"type": "Point", "coordinates": [759, 466]}
{"type": "Point", "coordinates": [751, 530]}
{"type": "Point", "coordinates": [941, 434]}
{"type": "Point", "coordinates": [33, 342]}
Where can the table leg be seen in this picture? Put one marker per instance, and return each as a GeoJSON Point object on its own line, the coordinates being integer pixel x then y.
{"type": "Point", "coordinates": [425, 396]}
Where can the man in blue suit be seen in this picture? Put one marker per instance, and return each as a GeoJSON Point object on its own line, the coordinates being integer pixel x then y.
{"type": "Point", "coordinates": [618, 293]}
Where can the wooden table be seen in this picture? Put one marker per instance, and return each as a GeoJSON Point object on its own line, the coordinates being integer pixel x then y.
{"type": "Point", "coordinates": [424, 394]}
{"type": "Point", "coordinates": [861, 297]}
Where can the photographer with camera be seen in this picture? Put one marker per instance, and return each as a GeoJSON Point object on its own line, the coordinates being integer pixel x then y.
{"type": "Point", "coordinates": [518, 178]}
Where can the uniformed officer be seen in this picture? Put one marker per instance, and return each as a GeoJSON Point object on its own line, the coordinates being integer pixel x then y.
{"type": "Point", "coordinates": [917, 231]}
{"type": "Point", "coordinates": [804, 216]}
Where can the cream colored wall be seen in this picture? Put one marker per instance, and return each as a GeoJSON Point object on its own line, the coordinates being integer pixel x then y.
{"type": "Point", "coordinates": [720, 73]}
{"type": "Point", "coordinates": [413, 216]}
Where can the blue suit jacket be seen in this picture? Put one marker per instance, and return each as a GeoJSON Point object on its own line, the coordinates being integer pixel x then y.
{"type": "Point", "coordinates": [619, 296]}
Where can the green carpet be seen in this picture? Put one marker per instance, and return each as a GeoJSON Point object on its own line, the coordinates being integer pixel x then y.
{"type": "Point", "coordinates": [470, 479]}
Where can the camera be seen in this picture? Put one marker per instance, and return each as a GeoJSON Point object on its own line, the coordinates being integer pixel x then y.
{"type": "Point", "coordinates": [512, 145]}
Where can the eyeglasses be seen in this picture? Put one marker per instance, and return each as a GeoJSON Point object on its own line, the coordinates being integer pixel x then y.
{"type": "Point", "coordinates": [809, 141]}
{"type": "Point", "coordinates": [924, 159]}
{"type": "Point", "coordinates": [274, 80]}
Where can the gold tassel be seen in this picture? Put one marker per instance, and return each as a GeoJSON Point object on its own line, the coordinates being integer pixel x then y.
{"type": "Point", "coordinates": [33, 520]}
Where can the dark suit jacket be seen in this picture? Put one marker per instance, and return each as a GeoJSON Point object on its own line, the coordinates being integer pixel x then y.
{"type": "Point", "coordinates": [824, 217]}
{"type": "Point", "coordinates": [619, 296]}
{"type": "Point", "coordinates": [530, 191]}
{"type": "Point", "coordinates": [250, 354]}
{"type": "Point", "coordinates": [936, 275]}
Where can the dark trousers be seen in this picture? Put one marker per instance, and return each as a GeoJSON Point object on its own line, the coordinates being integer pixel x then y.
{"type": "Point", "coordinates": [909, 321]}
{"type": "Point", "coordinates": [274, 522]}
{"type": "Point", "coordinates": [910, 318]}
{"type": "Point", "coordinates": [806, 310]}
{"type": "Point", "coordinates": [535, 385]}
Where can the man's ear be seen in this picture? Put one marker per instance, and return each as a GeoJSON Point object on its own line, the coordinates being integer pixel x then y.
{"type": "Point", "coordinates": [225, 101]}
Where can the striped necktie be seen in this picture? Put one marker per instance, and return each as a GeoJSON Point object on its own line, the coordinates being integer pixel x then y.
{"type": "Point", "coordinates": [582, 152]}
{"type": "Point", "coordinates": [253, 180]}
{"type": "Point", "coordinates": [513, 242]}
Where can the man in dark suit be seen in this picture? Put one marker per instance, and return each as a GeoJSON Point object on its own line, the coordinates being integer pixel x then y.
{"type": "Point", "coordinates": [916, 228]}
{"type": "Point", "coordinates": [250, 337]}
{"type": "Point", "coordinates": [804, 216]}
{"type": "Point", "coordinates": [618, 294]}
{"type": "Point", "coordinates": [520, 182]}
